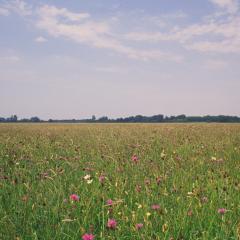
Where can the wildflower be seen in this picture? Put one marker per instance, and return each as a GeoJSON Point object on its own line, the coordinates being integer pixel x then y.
{"type": "Point", "coordinates": [89, 181]}
{"type": "Point", "coordinates": [112, 223]}
{"type": "Point", "coordinates": [222, 210]}
{"type": "Point", "coordinates": [109, 202]}
{"type": "Point", "coordinates": [87, 177]}
{"type": "Point", "coordinates": [204, 199]}
{"type": "Point", "coordinates": [155, 207]}
{"type": "Point", "coordinates": [87, 236]}
{"type": "Point", "coordinates": [158, 180]}
{"type": "Point", "coordinates": [74, 197]}
{"type": "Point", "coordinates": [101, 179]}
{"type": "Point", "coordinates": [139, 226]}
{"type": "Point", "coordinates": [148, 214]}
{"type": "Point", "coordinates": [134, 158]}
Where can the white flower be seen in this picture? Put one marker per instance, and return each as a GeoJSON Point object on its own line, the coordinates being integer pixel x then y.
{"type": "Point", "coordinates": [87, 177]}
{"type": "Point", "coordinates": [89, 181]}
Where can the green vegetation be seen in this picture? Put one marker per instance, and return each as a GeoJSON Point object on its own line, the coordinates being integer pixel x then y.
{"type": "Point", "coordinates": [181, 181]}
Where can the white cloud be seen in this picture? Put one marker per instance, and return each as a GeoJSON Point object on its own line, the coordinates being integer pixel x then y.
{"type": "Point", "coordinates": [81, 28]}
{"type": "Point", "coordinates": [4, 12]}
{"type": "Point", "coordinates": [217, 35]}
{"type": "Point", "coordinates": [20, 7]}
{"type": "Point", "coordinates": [231, 6]}
{"type": "Point", "coordinates": [40, 39]}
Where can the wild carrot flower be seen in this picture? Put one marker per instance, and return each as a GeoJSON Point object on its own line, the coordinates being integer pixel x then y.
{"type": "Point", "coordinates": [222, 210]}
{"type": "Point", "coordinates": [87, 236]}
{"type": "Point", "coordinates": [112, 223]}
{"type": "Point", "coordinates": [109, 202]}
{"type": "Point", "coordinates": [87, 177]}
{"type": "Point", "coordinates": [139, 226]}
{"type": "Point", "coordinates": [155, 207]}
{"type": "Point", "coordinates": [74, 197]}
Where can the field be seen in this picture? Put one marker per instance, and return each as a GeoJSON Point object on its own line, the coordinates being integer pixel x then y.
{"type": "Point", "coordinates": [113, 181]}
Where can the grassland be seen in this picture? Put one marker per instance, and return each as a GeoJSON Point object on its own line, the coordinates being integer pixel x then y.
{"type": "Point", "coordinates": [177, 181]}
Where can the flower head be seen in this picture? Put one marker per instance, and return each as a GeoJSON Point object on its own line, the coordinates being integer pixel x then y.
{"type": "Point", "coordinates": [222, 210]}
{"type": "Point", "coordinates": [87, 236]}
{"type": "Point", "coordinates": [101, 179]}
{"type": "Point", "coordinates": [74, 197]}
{"type": "Point", "coordinates": [109, 202]}
{"type": "Point", "coordinates": [112, 223]}
{"type": "Point", "coordinates": [155, 207]}
{"type": "Point", "coordinates": [87, 177]}
{"type": "Point", "coordinates": [134, 158]}
{"type": "Point", "coordinates": [139, 226]}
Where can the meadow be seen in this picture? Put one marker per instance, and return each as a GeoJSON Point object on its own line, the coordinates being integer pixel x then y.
{"type": "Point", "coordinates": [119, 181]}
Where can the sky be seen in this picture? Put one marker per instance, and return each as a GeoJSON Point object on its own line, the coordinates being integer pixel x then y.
{"type": "Point", "coordinates": [116, 58]}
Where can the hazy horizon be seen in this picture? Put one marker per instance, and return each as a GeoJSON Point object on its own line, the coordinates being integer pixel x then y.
{"type": "Point", "coordinates": [74, 59]}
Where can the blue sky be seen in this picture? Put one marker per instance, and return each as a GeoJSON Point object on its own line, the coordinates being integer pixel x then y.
{"type": "Point", "coordinates": [73, 59]}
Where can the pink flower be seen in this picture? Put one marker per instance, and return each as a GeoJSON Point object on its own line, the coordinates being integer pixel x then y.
{"type": "Point", "coordinates": [222, 210]}
{"type": "Point", "coordinates": [109, 202]}
{"type": "Point", "coordinates": [135, 158]}
{"type": "Point", "coordinates": [155, 207]}
{"type": "Point", "coordinates": [112, 223]}
{"type": "Point", "coordinates": [101, 179]}
{"type": "Point", "coordinates": [74, 197]}
{"type": "Point", "coordinates": [139, 226]}
{"type": "Point", "coordinates": [87, 236]}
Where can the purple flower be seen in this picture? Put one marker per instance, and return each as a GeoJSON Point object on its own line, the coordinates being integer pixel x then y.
{"type": "Point", "coordinates": [139, 226]}
{"type": "Point", "coordinates": [74, 197]}
{"type": "Point", "coordinates": [112, 223]}
{"type": "Point", "coordinates": [222, 210]}
{"type": "Point", "coordinates": [87, 236]}
{"type": "Point", "coordinates": [109, 202]}
{"type": "Point", "coordinates": [101, 179]}
{"type": "Point", "coordinates": [155, 207]}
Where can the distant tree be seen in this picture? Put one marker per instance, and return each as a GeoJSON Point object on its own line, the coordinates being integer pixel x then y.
{"type": "Point", "coordinates": [93, 118]}
{"type": "Point", "coordinates": [35, 119]}
{"type": "Point", "coordinates": [103, 119]}
{"type": "Point", "coordinates": [13, 118]}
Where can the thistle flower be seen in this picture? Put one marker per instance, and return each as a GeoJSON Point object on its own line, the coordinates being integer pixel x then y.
{"type": "Point", "coordinates": [112, 223]}
{"type": "Point", "coordinates": [101, 179]}
{"type": "Point", "coordinates": [74, 197]}
{"type": "Point", "coordinates": [134, 158]}
{"type": "Point", "coordinates": [139, 226]}
{"type": "Point", "coordinates": [87, 236]}
{"type": "Point", "coordinates": [109, 202]}
{"type": "Point", "coordinates": [155, 207]}
{"type": "Point", "coordinates": [222, 210]}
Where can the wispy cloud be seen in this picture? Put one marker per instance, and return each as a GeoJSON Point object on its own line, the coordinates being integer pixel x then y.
{"type": "Point", "coordinates": [20, 7]}
{"type": "Point", "coordinates": [231, 6]}
{"type": "Point", "coordinates": [214, 34]}
{"type": "Point", "coordinates": [4, 12]}
{"type": "Point", "coordinates": [82, 28]}
{"type": "Point", "coordinates": [40, 39]}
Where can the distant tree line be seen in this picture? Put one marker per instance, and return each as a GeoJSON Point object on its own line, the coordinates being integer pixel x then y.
{"type": "Point", "coordinates": [133, 119]}
{"type": "Point", "coordinates": [14, 118]}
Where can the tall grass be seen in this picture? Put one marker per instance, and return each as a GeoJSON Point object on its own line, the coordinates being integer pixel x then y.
{"type": "Point", "coordinates": [188, 171]}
